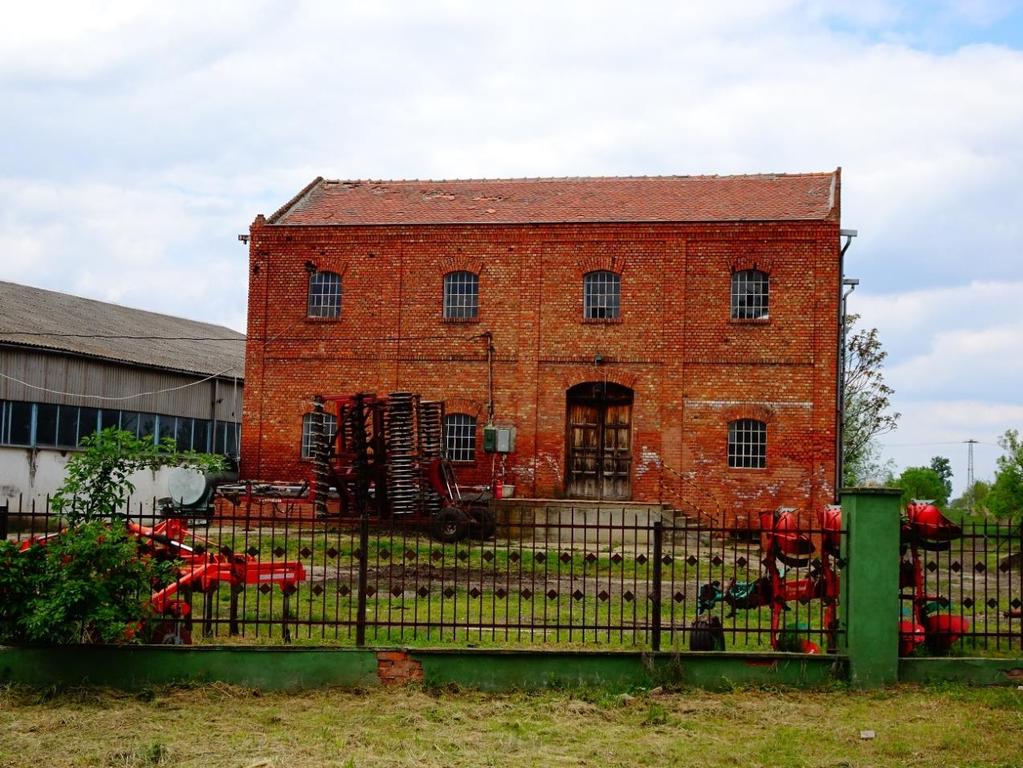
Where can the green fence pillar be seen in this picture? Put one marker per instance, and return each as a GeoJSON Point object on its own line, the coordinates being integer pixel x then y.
{"type": "Point", "coordinates": [870, 585]}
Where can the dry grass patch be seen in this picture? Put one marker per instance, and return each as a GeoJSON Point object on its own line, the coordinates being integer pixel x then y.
{"type": "Point", "coordinates": [225, 726]}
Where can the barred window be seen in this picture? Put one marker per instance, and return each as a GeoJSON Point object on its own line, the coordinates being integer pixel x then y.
{"type": "Point", "coordinates": [749, 295]}
{"type": "Point", "coordinates": [602, 293]}
{"type": "Point", "coordinates": [324, 294]}
{"type": "Point", "coordinates": [747, 444]}
{"type": "Point", "coordinates": [461, 296]}
{"type": "Point", "coordinates": [329, 427]}
{"type": "Point", "coordinates": [460, 437]}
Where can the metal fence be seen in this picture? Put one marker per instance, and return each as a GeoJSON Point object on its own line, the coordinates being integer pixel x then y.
{"type": "Point", "coordinates": [575, 577]}
{"type": "Point", "coordinates": [977, 578]}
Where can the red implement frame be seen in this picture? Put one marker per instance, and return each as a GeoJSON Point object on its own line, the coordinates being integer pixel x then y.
{"type": "Point", "coordinates": [783, 542]}
{"type": "Point", "coordinates": [924, 528]}
{"type": "Point", "coordinates": [199, 570]}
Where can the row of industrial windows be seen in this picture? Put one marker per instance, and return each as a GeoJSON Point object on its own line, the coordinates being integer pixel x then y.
{"type": "Point", "coordinates": [459, 435]}
{"type": "Point", "coordinates": [45, 425]}
{"type": "Point", "coordinates": [602, 295]}
{"type": "Point", "coordinates": [747, 439]}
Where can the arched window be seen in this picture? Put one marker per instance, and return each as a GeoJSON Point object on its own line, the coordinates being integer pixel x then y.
{"type": "Point", "coordinates": [460, 437]}
{"type": "Point", "coordinates": [747, 444]}
{"type": "Point", "coordinates": [750, 294]}
{"type": "Point", "coordinates": [324, 294]}
{"type": "Point", "coordinates": [602, 293]}
{"type": "Point", "coordinates": [461, 296]}
{"type": "Point", "coordinates": [329, 427]}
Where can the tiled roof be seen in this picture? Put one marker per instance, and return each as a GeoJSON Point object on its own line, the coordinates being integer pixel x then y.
{"type": "Point", "coordinates": [765, 197]}
{"type": "Point", "coordinates": [59, 321]}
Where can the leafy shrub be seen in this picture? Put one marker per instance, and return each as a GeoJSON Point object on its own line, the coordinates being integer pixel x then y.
{"type": "Point", "coordinates": [87, 584]}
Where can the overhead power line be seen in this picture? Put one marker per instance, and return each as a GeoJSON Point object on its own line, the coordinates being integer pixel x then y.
{"type": "Point", "coordinates": [120, 398]}
{"type": "Point", "coordinates": [933, 445]}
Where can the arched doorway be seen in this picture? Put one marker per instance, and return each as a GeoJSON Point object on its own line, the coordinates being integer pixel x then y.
{"type": "Point", "coordinates": [599, 441]}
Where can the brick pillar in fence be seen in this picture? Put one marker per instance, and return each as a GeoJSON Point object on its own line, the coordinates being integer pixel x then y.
{"type": "Point", "coordinates": [870, 585]}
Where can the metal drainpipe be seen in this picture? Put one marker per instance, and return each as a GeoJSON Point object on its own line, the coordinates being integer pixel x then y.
{"type": "Point", "coordinates": [848, 234]}
{"type": "Point", "coordinates": [489, 338]}
{"type": "Point", "coordinates": [490, 376]}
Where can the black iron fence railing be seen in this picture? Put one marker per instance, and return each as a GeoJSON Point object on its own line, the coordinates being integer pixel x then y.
{"type": "Point", "coordinates": [574, 577]}
{"type": "Point", "coordinates": [976, 580]}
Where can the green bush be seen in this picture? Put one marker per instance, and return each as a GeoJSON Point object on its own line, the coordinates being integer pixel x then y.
{"type": "Point", "coordinates": [90, 583]}
{"type": "Point", "coordinates": [87, 584]}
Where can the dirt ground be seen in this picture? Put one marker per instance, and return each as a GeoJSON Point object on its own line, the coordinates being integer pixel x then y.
{"type": "Point", "coordinates": [223, 726]}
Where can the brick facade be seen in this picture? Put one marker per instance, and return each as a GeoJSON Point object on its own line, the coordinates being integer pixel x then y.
{"type": "Point", "coordinates": [691, 368]}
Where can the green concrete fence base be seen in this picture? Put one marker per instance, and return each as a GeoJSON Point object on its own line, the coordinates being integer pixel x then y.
{"type": "Point", "coordinates": [965, 671]}
{"type": "Point", "coordinates": [138, 667]}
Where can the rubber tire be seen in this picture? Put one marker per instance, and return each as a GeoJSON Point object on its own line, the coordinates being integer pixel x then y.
{"type": "Point", "coordinates": [450, 525]}
{"type": "Point", "coordinates": [487, 527]}
{"type": "Point", "coordinates": [706, 636]}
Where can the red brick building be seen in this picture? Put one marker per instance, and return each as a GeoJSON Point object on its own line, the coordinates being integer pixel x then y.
{"type": "Point", "coordinates": [656, 338]}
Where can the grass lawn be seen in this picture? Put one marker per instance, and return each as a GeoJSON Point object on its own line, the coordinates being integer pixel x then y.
{"type": "Point", "coordinates": [221, 726]}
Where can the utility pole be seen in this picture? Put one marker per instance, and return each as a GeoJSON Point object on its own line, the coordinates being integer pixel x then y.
{"type": "Point", "coordinates": [969, 472]}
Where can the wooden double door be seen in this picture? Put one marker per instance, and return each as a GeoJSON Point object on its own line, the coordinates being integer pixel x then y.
{"type": "Point", "coordinates": [599, 441]}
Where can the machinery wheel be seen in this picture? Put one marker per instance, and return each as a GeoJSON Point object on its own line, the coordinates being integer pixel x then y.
{"type": "Point", "coordinates": [706, 634]}
{"type": "Point", "coordinates": [172, 633]}
{"type": "Point", "coordinates": [450, 525]}
{"type": "Point", "coordinates": [487, 522]}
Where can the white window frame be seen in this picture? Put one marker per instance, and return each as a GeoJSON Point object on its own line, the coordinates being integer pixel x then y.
{"type": "Point", "coordinates": [747, 444]}
{"type": "Point", "coordinates": [324, 300]}
{"type": "Point", "coordinates": [602, 295]}
{"type": "Point", "coordinates": [460, 437]}
{"type": "Point", "coordinates": [751, 294]}
{"type": "Point", "coordinates": [461, 304]}
{"type": "Point", "coordinates": [329, 427]}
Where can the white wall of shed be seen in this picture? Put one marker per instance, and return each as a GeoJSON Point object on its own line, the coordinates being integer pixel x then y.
{"type": "Point", "coordinates": [18, 478]}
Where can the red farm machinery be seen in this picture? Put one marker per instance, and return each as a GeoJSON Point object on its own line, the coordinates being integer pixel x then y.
{"type": "Point", "coordinates": [929, 620]}
{"type": "Point", "coordinates": [381, 457]}
{"type": "Point", "coordinates": [785, 545]}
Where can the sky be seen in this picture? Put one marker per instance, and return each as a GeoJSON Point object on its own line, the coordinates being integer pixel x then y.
{"type": "Point", "coordinates": [138, 139]}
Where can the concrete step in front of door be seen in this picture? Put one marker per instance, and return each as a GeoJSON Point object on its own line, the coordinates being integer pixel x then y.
{"type": "Point", "coordinates": [580, 521]}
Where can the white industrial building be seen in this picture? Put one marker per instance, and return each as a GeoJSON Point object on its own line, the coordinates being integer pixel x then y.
{"type": "Point", "coordinates": [70, 366]}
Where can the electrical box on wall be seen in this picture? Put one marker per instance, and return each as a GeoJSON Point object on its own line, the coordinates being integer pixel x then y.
{"type": "Point", "coordinates": [498, 439]}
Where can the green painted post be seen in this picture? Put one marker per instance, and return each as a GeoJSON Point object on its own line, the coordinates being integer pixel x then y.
{"type": "Point", "coordinates": [870, 585]}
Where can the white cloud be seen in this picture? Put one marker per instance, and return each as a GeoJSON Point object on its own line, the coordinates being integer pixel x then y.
{"type": "Point", "coordinates": [941, 427]}
{"type": "Point", "coordinates": [128, 245]}
{"type": "Point", "coordinates": [916, 313]}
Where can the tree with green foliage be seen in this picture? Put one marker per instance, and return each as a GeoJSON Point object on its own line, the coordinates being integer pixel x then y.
{"type": "Point", "coordinates": [943, 467]}
{"type": "Point", "coordinates": [922, 483]}
{"type": "Point", "coordinates": [866, 405]}
{"type": "Point", "coordinates": [88, 583]}
{"type": "Point", "coordinates": [973, 498]}
{"type": "Point", "coordinates": [1005, 500]}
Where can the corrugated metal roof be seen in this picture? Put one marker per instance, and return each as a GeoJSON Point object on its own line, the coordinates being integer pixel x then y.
{"type": "Point", "coordinates": [764, 197]}
{"type": "Point", "coordinates": [34, 317]}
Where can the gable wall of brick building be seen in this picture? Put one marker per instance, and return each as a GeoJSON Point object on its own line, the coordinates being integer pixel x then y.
{"type": "Point", "coordinates": [692, 368]}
